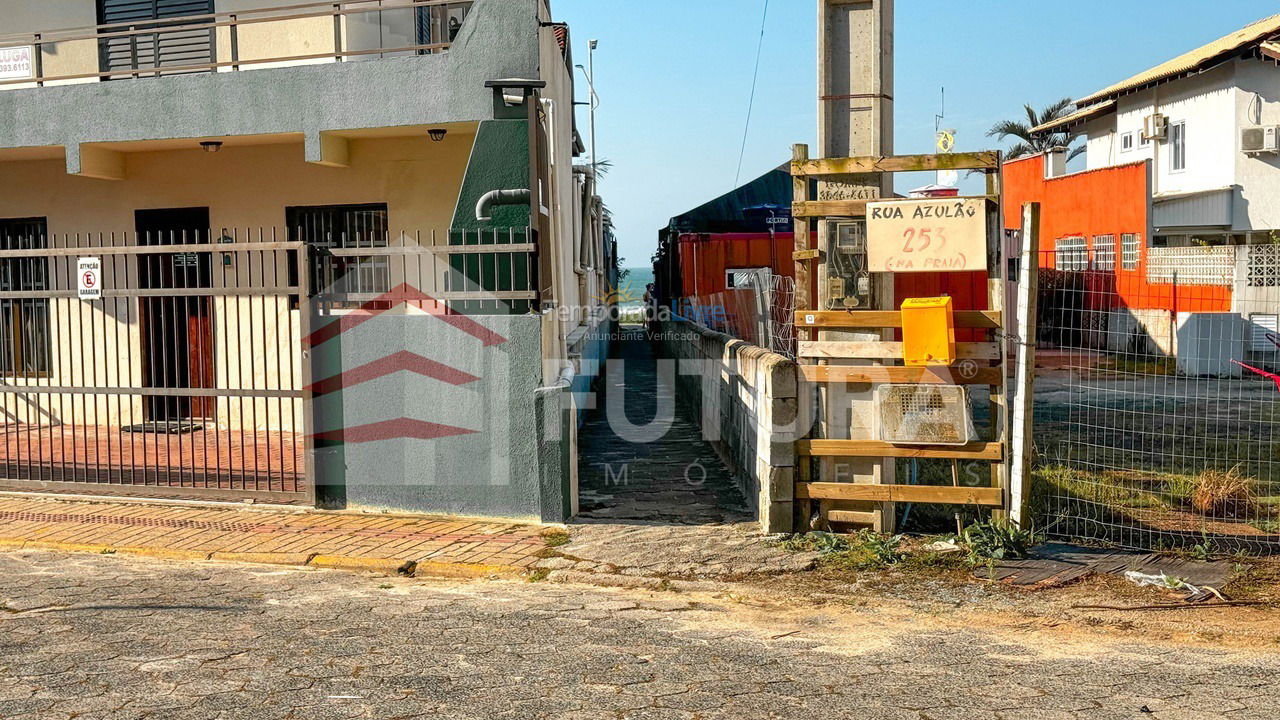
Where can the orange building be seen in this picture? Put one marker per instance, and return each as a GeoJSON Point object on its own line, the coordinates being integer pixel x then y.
{"type": "Point", "coordinates": [1095, 231]}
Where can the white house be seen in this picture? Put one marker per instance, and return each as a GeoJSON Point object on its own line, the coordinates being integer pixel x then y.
{"type": "Point", "coordinates": [1209, 122]}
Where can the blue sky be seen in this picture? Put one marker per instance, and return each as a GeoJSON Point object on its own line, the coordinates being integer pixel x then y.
{"type": "Point", "coordinates": [674, 77]}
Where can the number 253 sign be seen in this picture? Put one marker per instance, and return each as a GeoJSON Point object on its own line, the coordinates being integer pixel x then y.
{"type": "Point", "coordinates": [935, 235]}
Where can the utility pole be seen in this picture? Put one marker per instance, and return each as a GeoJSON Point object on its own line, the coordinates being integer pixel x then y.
{"type": "Point", "coordinates": [855, 118]}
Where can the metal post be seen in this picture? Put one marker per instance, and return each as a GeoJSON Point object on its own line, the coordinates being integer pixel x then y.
{"type": "Point", "coordinates": [235, 43]}
{"type": "Point", "coordinates": [39, 61]}
{"type": "Point", "coordinates": [337, 31]}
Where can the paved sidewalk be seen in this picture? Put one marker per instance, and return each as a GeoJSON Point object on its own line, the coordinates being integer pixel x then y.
{"type": "Point", "coordinates": [387, 543]}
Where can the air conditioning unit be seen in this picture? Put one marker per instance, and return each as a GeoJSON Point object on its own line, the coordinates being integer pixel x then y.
{"type": "Point", "coordinates": [1155, 127]}
{"type": "Point", "coordinates": [1261, 139]}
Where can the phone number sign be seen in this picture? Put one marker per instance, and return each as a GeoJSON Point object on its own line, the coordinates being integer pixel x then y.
{"type": "Point", "coordinates": [934, 235]}
{"type": "Point", "coordinates": [16, 63]}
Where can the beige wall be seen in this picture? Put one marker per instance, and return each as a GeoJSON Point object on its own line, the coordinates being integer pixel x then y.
{"type": "Point", "coordinates": [246, 190]}
{"type": "Point", "coordinates": [255, 40]}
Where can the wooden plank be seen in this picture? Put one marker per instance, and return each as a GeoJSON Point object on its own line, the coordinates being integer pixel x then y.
{"type": "Point", "coordinates": [963, 375]}
{"type": "Point", "coordinates": [800, 230]}
{"type": "Point", "coordinates": [853, 517]}
{"type": "Point", "coordinates": [871, 350]}
{"type": "Point", "coordinates": [829, 208]}
{"type": "Point", "coordinates": [985, 160]}
{"type": "Point", "coordinates": [874, 448]}
{"type": "Point", "coordinates": [989, 497]}
{"type": "Point", "coordinates": [986, 319]}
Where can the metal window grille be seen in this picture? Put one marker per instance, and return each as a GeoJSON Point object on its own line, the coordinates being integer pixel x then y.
{"type": "Point", "coordinates": [1104, 252]}
{"type": "Point", "coordinates": [1131, 249]}
{"type": "Point", "coordinates": [25, 343]}
{"type": "Point", "coordinates": [1071, 254]}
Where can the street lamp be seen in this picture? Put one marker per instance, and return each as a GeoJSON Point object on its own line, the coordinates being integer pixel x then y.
{"type": "Point", "coordinates": [590, 72]}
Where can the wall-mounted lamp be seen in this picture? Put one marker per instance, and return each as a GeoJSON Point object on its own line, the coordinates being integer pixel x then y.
{"type": "Point", "coordinates": [437, 134]}
{"type": "Point", "coordinates": [211, 146]}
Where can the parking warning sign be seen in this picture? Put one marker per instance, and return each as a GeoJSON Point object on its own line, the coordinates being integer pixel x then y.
{"type": "Point", "coordinates": [89, 278]}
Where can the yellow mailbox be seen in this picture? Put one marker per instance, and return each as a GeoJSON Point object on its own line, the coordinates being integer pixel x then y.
{"type": "Point", "coordinates": [928, 331]}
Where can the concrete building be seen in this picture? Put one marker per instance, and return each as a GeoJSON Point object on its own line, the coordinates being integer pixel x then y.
{"type": "Point", "coordinates": [1209, 123]}
{"type": "Point", "coordinates": [315, 253]}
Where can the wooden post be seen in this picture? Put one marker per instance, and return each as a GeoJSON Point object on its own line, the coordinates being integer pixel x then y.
{"type": "Point", "coordinates": [1024, 374]}
{"type": "Point", "coordinates": [800, 228]}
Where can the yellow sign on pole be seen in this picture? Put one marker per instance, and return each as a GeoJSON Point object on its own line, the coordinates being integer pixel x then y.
{"type": "Point", "coordinates": [933, 235]}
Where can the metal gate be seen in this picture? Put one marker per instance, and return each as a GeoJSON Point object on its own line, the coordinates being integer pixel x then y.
{"type": "Point", "coordinates": [163, 365]}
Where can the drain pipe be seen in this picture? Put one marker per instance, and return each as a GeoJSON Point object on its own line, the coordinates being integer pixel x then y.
{"type": "Point", "coordinates": [496, 198]}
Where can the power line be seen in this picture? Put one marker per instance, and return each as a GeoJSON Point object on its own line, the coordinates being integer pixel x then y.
{"type": "Point", "coordinates": [751, 105]}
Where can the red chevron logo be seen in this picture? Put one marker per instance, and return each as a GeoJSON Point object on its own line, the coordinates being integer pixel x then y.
{"type": "Point", "coordinates": [398, 429]}
{"type": "Point", "coordinates": [397, 362]}
{"type": "Point", "coordinates": [403, 294]}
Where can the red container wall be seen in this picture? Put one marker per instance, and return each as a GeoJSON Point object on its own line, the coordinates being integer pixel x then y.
{"type": "Point", "coordinates": [705, 258]}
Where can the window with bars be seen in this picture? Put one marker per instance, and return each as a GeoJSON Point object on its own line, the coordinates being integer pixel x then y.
{"type": "Point", "coordinates": [1131, 250]}
{"type": "Point", "coordinates": [343, 226]}
{"type": "Point", "coordinates": [25, 345]}
{"type": "Point", "coordinates": [1104, 252]}
{"type": "Point", "coordinates": [1071, 254]}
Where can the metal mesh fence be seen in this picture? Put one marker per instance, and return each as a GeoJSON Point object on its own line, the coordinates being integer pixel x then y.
{"type": "Point", "coordinates": [1156, 403]}
{"type": "Point", "coordinates": [759, 309]}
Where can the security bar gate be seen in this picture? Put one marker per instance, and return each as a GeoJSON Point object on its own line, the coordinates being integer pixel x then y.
{"type": "Point", "coordinates": [164, 364]}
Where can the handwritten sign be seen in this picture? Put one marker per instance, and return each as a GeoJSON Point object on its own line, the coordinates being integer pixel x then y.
{"type": "Point", "coordinates": [934, 235]}
{"type": "Point", "coordinates": [16, 63]}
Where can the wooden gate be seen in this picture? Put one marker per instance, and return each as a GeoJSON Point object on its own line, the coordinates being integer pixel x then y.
{"type": "Point", "coordinates": [877, 358]}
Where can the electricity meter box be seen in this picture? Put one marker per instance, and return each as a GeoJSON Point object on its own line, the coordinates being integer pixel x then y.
{"type": "Point", "coordinates": [848, 276]}
{"type": "Point", "coordinates": [928, 332]}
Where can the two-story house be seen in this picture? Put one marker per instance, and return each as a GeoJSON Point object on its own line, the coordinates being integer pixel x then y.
{"type": "Point", "coordinates": [300, 252]}
{"type": "Point", "coordinates": [1209, 123]}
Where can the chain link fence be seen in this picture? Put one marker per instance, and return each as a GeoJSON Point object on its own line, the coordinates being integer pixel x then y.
{"type": "Point", "coordinates": [759, 309]}
{"type": "Point", "coordinates": [1156, 398]}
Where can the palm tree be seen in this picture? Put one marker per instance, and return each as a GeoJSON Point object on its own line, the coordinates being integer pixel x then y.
{"type": "Point", "coordinates": [1029, 144]}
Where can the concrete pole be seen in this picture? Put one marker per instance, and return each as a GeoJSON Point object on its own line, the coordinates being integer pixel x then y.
{"type": "Point", "coordinates": [855, 118]}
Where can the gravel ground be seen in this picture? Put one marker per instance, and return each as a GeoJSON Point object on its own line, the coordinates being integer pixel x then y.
{"type": "Point", "coordinates": [87, 637]}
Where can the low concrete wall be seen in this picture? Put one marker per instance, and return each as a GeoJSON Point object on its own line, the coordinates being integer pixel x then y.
{"type": "Point", "coordinates": [746, 400]}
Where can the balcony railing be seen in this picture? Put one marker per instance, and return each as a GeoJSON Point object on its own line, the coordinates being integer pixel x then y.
{"type": "Point", "coordinates": [231, 41]}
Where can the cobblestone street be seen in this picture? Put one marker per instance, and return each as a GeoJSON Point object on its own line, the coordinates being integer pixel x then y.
{"type": "Point", "coordinates": [97, 636]}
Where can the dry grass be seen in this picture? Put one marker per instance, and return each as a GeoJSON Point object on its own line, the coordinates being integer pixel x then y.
{"type": "Point", "coordinates": [1224, 494]}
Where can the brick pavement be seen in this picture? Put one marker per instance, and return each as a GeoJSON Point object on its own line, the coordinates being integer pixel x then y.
{"type": "Point", "coordinates": [278, 535]}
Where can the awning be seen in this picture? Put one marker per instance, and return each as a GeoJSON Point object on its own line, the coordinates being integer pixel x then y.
{"type": "Point", "coordinates": [1202, 208]}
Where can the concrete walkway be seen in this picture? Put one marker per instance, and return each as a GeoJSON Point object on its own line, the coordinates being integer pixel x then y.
{"type": "Point", "coordinates": [677, 479]}
{"type": "Point", "coordinates": [382, 543]}
{"type": "Point", "coordinates": [666, 509]}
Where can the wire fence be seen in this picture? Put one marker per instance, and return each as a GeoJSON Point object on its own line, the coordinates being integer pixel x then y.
{"type": "Point", "coordinates": [1156, 398]}
{"type": "Point", "coordinates": [759, 309]}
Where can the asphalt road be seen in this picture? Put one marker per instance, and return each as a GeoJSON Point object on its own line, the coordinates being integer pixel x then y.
{"type": "Point", "coordinates": [89, 637]}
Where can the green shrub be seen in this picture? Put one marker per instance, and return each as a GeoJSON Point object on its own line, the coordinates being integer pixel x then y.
{"type": "Point", "coordinates": [998, 540]}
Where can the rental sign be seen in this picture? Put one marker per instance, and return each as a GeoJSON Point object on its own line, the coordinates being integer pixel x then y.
{"type": "Point", "coordinates": [16, 63]}
{"type": "Point", "coordinates": [933, 235]}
